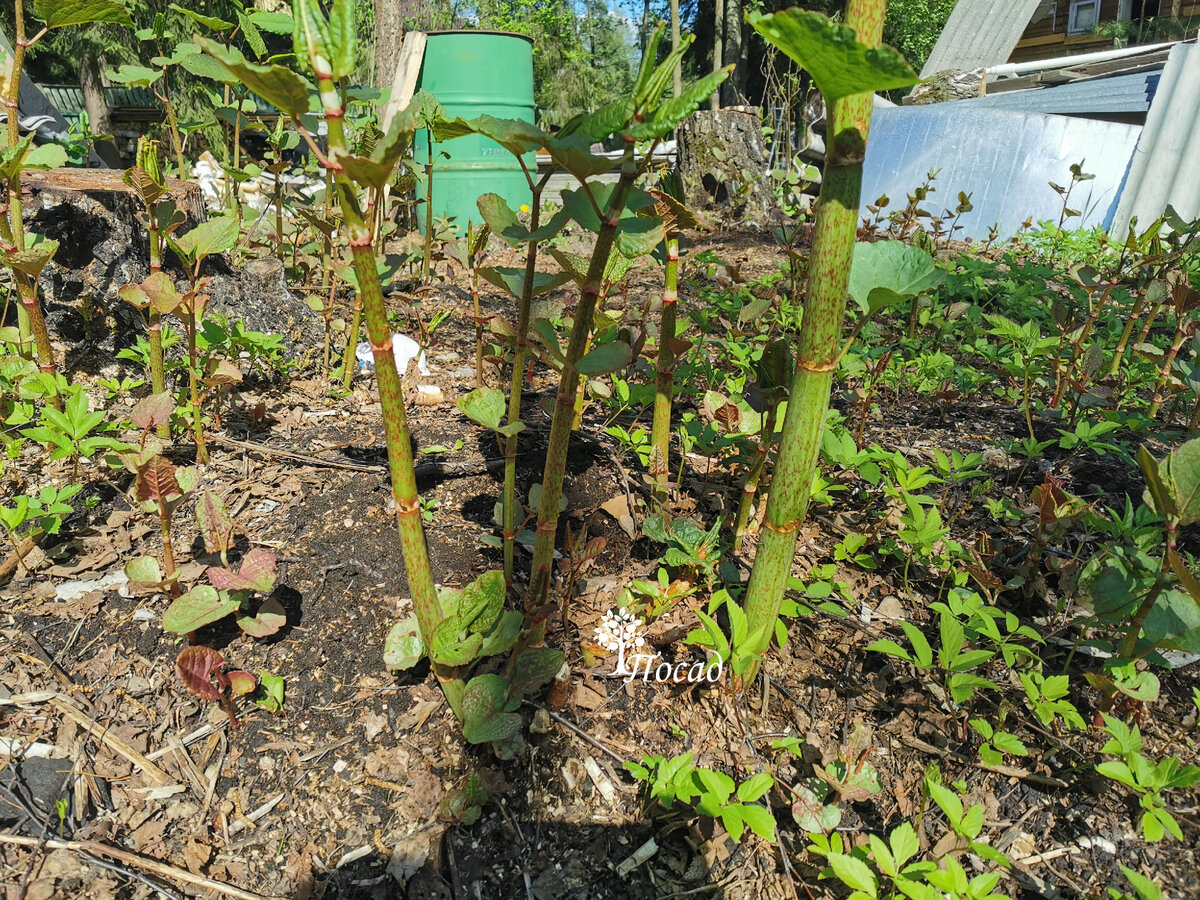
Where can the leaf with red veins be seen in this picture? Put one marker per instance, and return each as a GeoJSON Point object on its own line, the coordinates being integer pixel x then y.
{"type": "Point", "coordinates": [195, 667]}
{"type": "Point", "coordinates": [153, 411]}
{"type": "Point", "coordinates": [156, 481]}
{"type": "Point", "coordinates": [257, 573]}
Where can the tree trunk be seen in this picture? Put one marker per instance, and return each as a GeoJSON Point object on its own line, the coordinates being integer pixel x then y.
{"type": "Point", "coordinates": [718, 51]}
{"type": "Point", "coordinates": [678, 89]}
{"type": "Point", "coordinates": [389, 34]}
{"type": "Point", "coordinates": [96, 105]}
{"type": "Point", "coordinates": [734, 88]}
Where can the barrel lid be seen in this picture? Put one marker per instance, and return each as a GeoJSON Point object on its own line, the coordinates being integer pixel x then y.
{"type": "Point", "coordinates": [523, 37]}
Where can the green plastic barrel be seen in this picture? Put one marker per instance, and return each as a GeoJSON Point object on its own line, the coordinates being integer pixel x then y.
{"type": "Point", "coordinates": [473, 73]}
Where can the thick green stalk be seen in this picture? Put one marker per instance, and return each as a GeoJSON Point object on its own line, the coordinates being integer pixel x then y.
{"type": "Point", "coordinates": [30, 318]}
{"type": "Point", "coordinates": [660, 431]}
{"type": "Point", "coordinates": [1126, 333]}
{"type": "Point", "coordinates": [750, 488]}
{"type": "Point", "coordinates": [1182, 329]}
{"type": "Point", "coordinates": [391, 396]}
{"type": "Point", "coordinates": [825, 305]}
{"type": "Point", "coordinates": [192, 325]}
{"type": "Point", "coordinates": [348, 358]}
{"type": "Point", "coordinates": [520, 347]}
{"type": "Point", "coordinates": [158, 381]}
{"type": "Point", "coordinates": [568, 385]}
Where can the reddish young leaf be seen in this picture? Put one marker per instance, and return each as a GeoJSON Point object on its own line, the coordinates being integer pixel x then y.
{"type": "Point", "coordinates": [215, 523]}
{"type": "Point", "coordinates": [241, 682]}
{"type": "Point", "coordinates": [156, 481]}
{"type": "Point", "coordinates": [153, 411]}
{"type": "Point", "coordinates": [195, 667]}
{"type": "Point", "coordinates": [257, 573]}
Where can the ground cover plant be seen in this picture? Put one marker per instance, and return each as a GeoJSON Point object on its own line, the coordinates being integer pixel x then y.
{"type": "Point", "coordinates": [628, 556]}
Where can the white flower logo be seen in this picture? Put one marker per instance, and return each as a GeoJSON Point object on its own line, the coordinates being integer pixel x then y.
{"type": "Point", "coordinates": [620, 630]}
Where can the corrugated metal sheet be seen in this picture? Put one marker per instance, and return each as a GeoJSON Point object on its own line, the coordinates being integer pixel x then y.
{"type": "Point", "coordinates": [980, 33]}
{"type": "Point", "coordinates": [1166, 165]}
{"type": "Point", "coordinates": [1118, 94]}
{"type": "Point", "coordinates": [1005, 160]}
{"type": "Point", "coordinates": [69, 98]}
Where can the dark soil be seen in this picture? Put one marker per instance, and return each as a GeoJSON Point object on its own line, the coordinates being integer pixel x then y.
{"type": "Point", "coordinates": [338, 796]}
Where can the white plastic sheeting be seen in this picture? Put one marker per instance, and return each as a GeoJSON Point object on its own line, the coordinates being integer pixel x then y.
{"type": "Point", "coordinates": [1004, 160]}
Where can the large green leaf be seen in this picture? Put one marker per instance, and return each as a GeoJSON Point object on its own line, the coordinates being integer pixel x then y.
{"type": "Point", "coordinates": [403, 649]}
{"type": "Point", "coordinates": [504, 222]}
{"type": "Point", "coordinates": [1173, 623]}
{"type": "Point", "coordinates": [887, 272]}
{"type": "Point", "coordinates": [277, 85]}
{"type": "Point", "coordinates": [572, 152]}
{"type": "Point", "coordinates": [581, 208]}
{"type": "Point", "coordinates": [200, 606]}
{"type": "Point", "coordinates": [513, 280]}
{"type": "Point", "coordinates": [204, 66]}
{"type": "Point", "coordinates": [514, 135]}
{"type": "Point", "coordinates": [485, 710]}
{"type": "Point", "coordinates": [274, 22]}
{"type": "Point", "coordinates": [1180, 472]}
{"type": "Point", "coordinates": [610, 357]}
{"type": "Point", "coordinates": [210, 22]}
{"type": "Point", "coordinates": [33, 259]}
{"type": "Point", "coordinates": [832, 54]}
{"type": "Point", "coordinates": [533, 669]}
{"type": "Point", "coordinates": [483, 406]}
{"type": "Point", "coordinates": [135, 76]}
{"type": "Point", "coordinates": [218, 234]}
{"type": "Point", "coordinates": [60, 13]}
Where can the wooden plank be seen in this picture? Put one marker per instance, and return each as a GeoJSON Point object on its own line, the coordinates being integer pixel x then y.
{"type": "Point", "coordinates": [404, 83]}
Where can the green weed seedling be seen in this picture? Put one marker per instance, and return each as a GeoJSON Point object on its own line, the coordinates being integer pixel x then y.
{"type": "Point", "coordinates": [689, 545]}
{"type": "Point", "coordinates": [712, 793]}
{"type": "Point", "coordinates": [996, 743]}
{"type": "Point", "coordinates": [44, 511]}
{"type": "Point", "coordinates": [889, 870]}
{"type": "Point", "coordinates": [1047, 699]}
{"type": "Point", "coordinates": [954, 662]}
{"type": "Point", "coordinates": [1143, 887]}
{"type": "Point", "coordinates": [650, 600]}
{"type": "Point", "coordinates": [73, 432]}
{"type": "Point", "coordinates": [740, 647]}
{"type": "Point", "coordinates": [1149, 780]}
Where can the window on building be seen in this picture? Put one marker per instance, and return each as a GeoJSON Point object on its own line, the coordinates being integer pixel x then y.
{"type": "Point", "coordinates": [1084, 16]}
{"type": "Point", "coordinates": [1047, 11]}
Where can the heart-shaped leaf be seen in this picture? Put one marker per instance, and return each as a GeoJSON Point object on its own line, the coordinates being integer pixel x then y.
{"type": "Point", "coordinates": [271, 617]}
{"type": "Point", "coordinates": [156, 482]}
{"type": "Point", "coordinates": [832, 54]}
{"type": "Point", "coordinates": [241, 682]}
{"type": "Point", "coordinates": [257, 573]}
{"type": "Point", "coordinates": [216, 525]}
{"type": "Point", "coordinates": [483, 406]}
{"type": "Point", "coordinates": [485, 711]}
{"type": "Point", "coordinates": [195, 667]}
{"type": "Point", "coordinates": [144, 570]}
{"type": "Point", "coordinates": [200, 606]}
{"type": "Point", "coordinates": [611, 357]}
{"type": "Point", "coordinates": [403, 648]}
{"type": "Point", "coordinates": [512, 280]}
{"type": "Point", "coordinates": [152, 411]}
{"type": "Point", "coordinates": [533, 669]}
{"type": "Point", "coordinates": [887, 272]}
{"type": "Point", "coordinates": [32, 260]}
{"type": "Point", "coordinates": [278, 85]}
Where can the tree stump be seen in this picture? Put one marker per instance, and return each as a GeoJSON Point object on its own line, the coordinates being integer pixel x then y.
{"type": "Point", "coordinates": [723, 163]}
{"type": "Point", "coordinates": [96, 219]}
